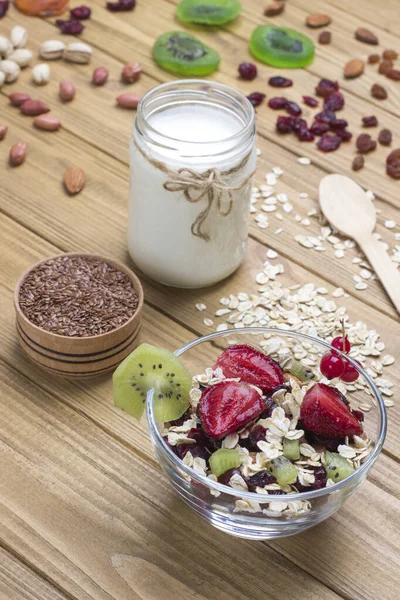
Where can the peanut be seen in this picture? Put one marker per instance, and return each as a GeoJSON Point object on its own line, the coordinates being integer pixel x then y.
{"type": "Point", "coordinates": [47, 122]}
{"type": "Point", "coordinates": [67, 91]}
{"type": "Point", "coordinates": [128, 100]}
{"type": "Point", "coordinates": [34, 108]}
{"type": "Point", "coordinates": [18, 154]}
{"type": "Point", "coordinates": [131, 72]}
{"type": "Point", "coordinates": [100, 76]}
{"type": "Point", "coordinates": [18, 98]}
{"type": "Point", "coordinates": [3, 131]}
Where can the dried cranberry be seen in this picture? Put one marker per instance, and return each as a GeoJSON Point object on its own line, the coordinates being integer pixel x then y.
{"type": "Point", "coordinates": [4, 6]}
{"type": "Point", "coordinates": [328, 143]}
{"type": "Point", "coordinates": [259, 480]}
{"type": "Point", "coordinates": [326, 116]}
{"type": "Point", "coordinates": [247, 71]}
{"type": "Point", "coordinates": [70, 27]}
{"type": "Point", "coordinates": [310, 101]}
{"type": "Point", "coordinates": [81, 13]}
{"type": "Point", "coordinates": [358, 163]}
{"type": "Point", "coordinates": [280, 82]}
{"type": "Point", "coordinates": [284, 124]}
{"type": "Point", "coordinates": [393, 164]}
{"type": "Point", "coordinates": [256, 434]}
{"type": "Point", "coordinates": [305, 135]}
{"type": "Point", "coordinates": [293, 109]}
{"type": "Point", "coordinates": [338, 124]}
{"type": "Point", "coordinates": [385, 137]}
{"type": "Point", "coordinates": [371, 121]}
{"type": "Point", "coordinates": [358, 414]}
{"type": "Point", "coordinates": [198, 435]}
{"type": "Point", "coordinates": [326, 87]}
{"type": "Point", "coordinates": [378, 92]}
{"type": "Point", "coordinates": [319, 128]}
{"type": "Point", "coordinates": [121, 5]}
{"type": "Point", "coordinates": [334, 102]}
{"type": "Point", "coordinates": [178, 422]}
{"type": "Point", "coordinates": [364, 143]}
{"type": "Point", "coordinates": [298, 124]}
{"type": "Point", "coordinates": [277, 103]}
{"type": "Point", "coordinates": [226, 477]}
{"type": "Point", "coordinates": [320, 479]}
{"type": "Point", "coordinates": [269, 406]}
{"type": "Point", "coordinates": [344, 135]}
{"type": "Point", "coordinates": [256, 98]}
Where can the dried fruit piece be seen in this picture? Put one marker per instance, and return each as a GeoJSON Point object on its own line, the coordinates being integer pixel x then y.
{"type": "Point", "coordinates": [291, 449]}
{"type": "Point", "coordinates": [393, 164]}
{"type": "Point", "coordinates": [74, 180]}
{"type": "Point", "coordinates": [284, 124]}
{"type": "Point", "coordinates": [393, 74]}
{"type": "Point", "coordinates": [224, 460]}
{"type": "Point", "coordinates": [3, 132]}
{"type": "Point", "coordinates": [208, 12]}
{"type": "Point", "coordinates": [260, 479]}
{"type": "Point", "coordinates": [371, 121]}
{"type": "Point", "coordinates": [42, 8]}
{"type": "Point", "coordinates": [389, 54]}
{"type": "Point", "coordinates": [281, 46]}
{"type": "Point", "coordinates": [67, 91]}
{"type": "Point", "coordinates": [337, 467]}
{"type": "Point", "coordinates": [323, 412]}
{"type": "Point", "coordinates": [128, 100]}
{"type": "Point", "coordinates": [334, 102]}
{"type": "Point", "coordinates": [329, 143]}
{"type": "Point", "coordinates": [47, 122]}
{"type": "Point", "coordinates": [256, 98]}
{"type": "Point", "coordinates": [131, 72]}
{"type": "Point", "coordinates": [18, 154]}
{"type": "Point", "coordinates": [274, 9]}
{"type": "Point", "coordinates": [121, 5]}
{"type": "Point", "coordinates": [326, 87]}
{"type": "Point", "coordinates": [247, 71]}
{"type": "Point", "coordinates": [385, 137]}
{"type": "Point", "coordinates": [318, 20]}
{"type": "Point", "coordinates": [344, 135]}
{"type": "Point", "coordinates": [310, 101]}
{"type": "Point", "coordinates": [365, 143]}
{"type": "Point", "coordinates": [325, 37]}
{"type": "Point", "coordinates": [280, 82]}
{"type": "Point", "coordinates": [100, 76]}
{"type": "Point", "coordinates": [183, 54]}
{"type": "Point", "coordinates": [34, 108]}
{"type": "Point", "coordinates": [325, 116]}
{"type": "Point", "coordinates": [373, 59]}
{"type": "Point", "coordinates": [251, 365]}
{"type": "Point", "coordinates": [228, 406]}
{"type": "Point", "coordinates": [385, 66]}
{"type": "Point", "coordinates": [4, 6]}
{"type": "Point", "coordinates": [284, 470]}
{"type": "Point", "coordinates": [336, 124]}
{"type": "Point", "coordinates": [378, 92]}
{"type": "Point", "coordinates": [18, 98]}
{"type": "Point", "coordinates": [81, 13]}
{"type": "Point", "coordinates": [70, 27]}
{"type": "Point", "coordinates": [319, 128]}
{"type": "Point", "coordinates": [277, 103]}
{"type": "Point", "coordinates": [293, 109]}
{"type": "Point", "coordinates": [365, 35]}
{"type": "Point", "coordinates": [354, 68]}
{"type": "Point", "coordinates": [358, 163]}
{"type": "Point", "coordinates": [305, 135]}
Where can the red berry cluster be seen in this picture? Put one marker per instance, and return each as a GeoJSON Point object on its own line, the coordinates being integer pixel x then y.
{"type": "Point", "coordinates": [333, 365]}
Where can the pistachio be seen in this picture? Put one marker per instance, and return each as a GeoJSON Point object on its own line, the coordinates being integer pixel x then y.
{"type": "Point", "coordinates": [5, 47]}
{"type": "Point", "coordinates": [10, 69]}
{"type": "Point", "coordinates": [2, 79]}
{"type": "Point", "coordinates": [47, 122]}
{"type": "Point", "coordinates": [19, 36]}
{"type": "Point", "coordinates": [41, 74]}
{"type": "Point", "coordinates": [3, 131]}
{"type": "Point", "coordinates": [18, 154]}
{"type": "Point", "coordinates": [22, 56]}
{"type": "Point", "coordinates": [78, 52]}
{"type": "Point", "coordinates": [52, 49]}
{"type": "Point", "coordinates": [100, 76]}
{"type": "Point", "coordinates": [128, 100]}
{"type": "Point", "coordinates": [67, 91]}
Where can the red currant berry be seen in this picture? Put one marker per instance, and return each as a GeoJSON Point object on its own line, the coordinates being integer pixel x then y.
{"type": "Point", "coordinates": [337, 343]}
{"type": "Point", "coordinates": [331, 366]}
{"type": "Point", "coordinates": [350, 373]}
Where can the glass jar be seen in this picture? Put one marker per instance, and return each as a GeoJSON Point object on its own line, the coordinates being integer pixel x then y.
{"type": "Point", "coordinates": [193, 156]}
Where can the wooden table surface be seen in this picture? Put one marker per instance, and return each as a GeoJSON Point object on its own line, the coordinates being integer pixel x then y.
{"type": "Point", "coordinates": [85, 512]}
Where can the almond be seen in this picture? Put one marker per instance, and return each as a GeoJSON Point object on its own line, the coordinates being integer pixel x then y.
{"type": "Point", "coordinates": [74, 180]}
{"type": "Point", "coordinates": [389, 55]}
{"type": "Point", "coordinates": [378, 92]}
{"type": "Point", "coordinates": [3, 131]}
{"type": "Point", "coordinates": [373, 59]}
{"type": "Point", "coordinates": [366, 36]}
{"type": "Point", "coordinates": [18, 98]}
{"type": "Point", "coordinates": [47, 122]}
{"type": "Point", "coordinates": [33, 108]}
{"type": "Point", "coordinates": [67, 91]}
{"type": "Point", "coordinates": [318, 20]}
{"type": "Point", "coordinates": [276, 8]}
{"type": "Point", "coordinates": [354, 68]}
{"type": "Point", "coordinates": [385, 66]}
{"type": "Point", "coordinates": [128, 100]}
{"type": "Point", "coordinates": [393, 74]}
{"type": "Point", "coordinates": [100, 76]}
{"type": "Point", "coordinates": [18, 154]}
{"type": "Point", "coordinates": [131, 72]}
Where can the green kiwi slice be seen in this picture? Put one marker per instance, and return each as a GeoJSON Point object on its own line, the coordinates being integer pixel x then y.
{"type": "Point", "coordinates": [283, 470]}
{"type": "Point", "coordinates": [336, 466]}
{"type": "Point", "coordinates": [183, 54]}
{"type": "Point", "coordinates": [291, 449]}
{"type": "Point", "coordinates": [281, 47]}
{"type": "Point", "coordinates": [149, 367]}
{"type": "Point", "coordinates": [208, 12]}
{"type": "Point", "coordinates": [300, 371]}
{"type": "Point", "coordinates": [224, 460]}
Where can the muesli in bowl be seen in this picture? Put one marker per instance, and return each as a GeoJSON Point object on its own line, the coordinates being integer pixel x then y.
{"type": "Point", "coordinates": [264, 446]}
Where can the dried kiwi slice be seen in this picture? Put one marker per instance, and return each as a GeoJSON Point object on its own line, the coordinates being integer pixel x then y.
{"type": "Point", "coordinates": [300, 371]}
{"type": "Point", "coordinates": [224, 460]}
{"type": "Point", "coordinates": [336, 466]}
{"type": "Point", "coordinates": [208, 12]}
{"type": "Point", "coordinates": [183, 54]}
{"type": "Point", "coordinates": [281, 47]}
{"type": "Point", "coordinates": [150, 367]}
{"type": "Point", "coordinates": [291, 449]}
{"type": "Point", "coordinates": [283, 470]}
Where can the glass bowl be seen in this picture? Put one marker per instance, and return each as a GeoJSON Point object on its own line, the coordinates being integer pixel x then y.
{"type": "Point", "coordinates": [252, 515]}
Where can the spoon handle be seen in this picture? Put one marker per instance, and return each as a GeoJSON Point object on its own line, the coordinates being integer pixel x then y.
{"type": "Point", "coordinates": [383, 267]}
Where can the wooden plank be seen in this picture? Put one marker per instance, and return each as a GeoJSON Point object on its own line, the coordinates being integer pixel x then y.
{"type": "Point", "coordinates": [17, 581]}
{"type": "Point", "coordinates": [44, 170]}
{"type": "Point", "coordinates": [375, 15]}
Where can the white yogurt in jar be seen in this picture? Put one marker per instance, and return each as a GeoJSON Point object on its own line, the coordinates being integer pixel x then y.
{"type": "Point", "coordinates": [162, 239]}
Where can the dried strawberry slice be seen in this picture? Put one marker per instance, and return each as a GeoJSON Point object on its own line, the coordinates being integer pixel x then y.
{"type": "Point", "coordinates": [251, 365]}
{"type": "Point", "coordinates": [228, 406]}
{"type": "Point", "coordinates": [323, 412]}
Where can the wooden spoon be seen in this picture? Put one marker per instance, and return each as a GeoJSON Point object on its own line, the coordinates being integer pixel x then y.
{"type": "Point", "coordinates": [348, 208]}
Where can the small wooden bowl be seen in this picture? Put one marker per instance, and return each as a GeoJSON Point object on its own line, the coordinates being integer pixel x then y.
{"type": "Point", "coordinates": [81, 357]}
